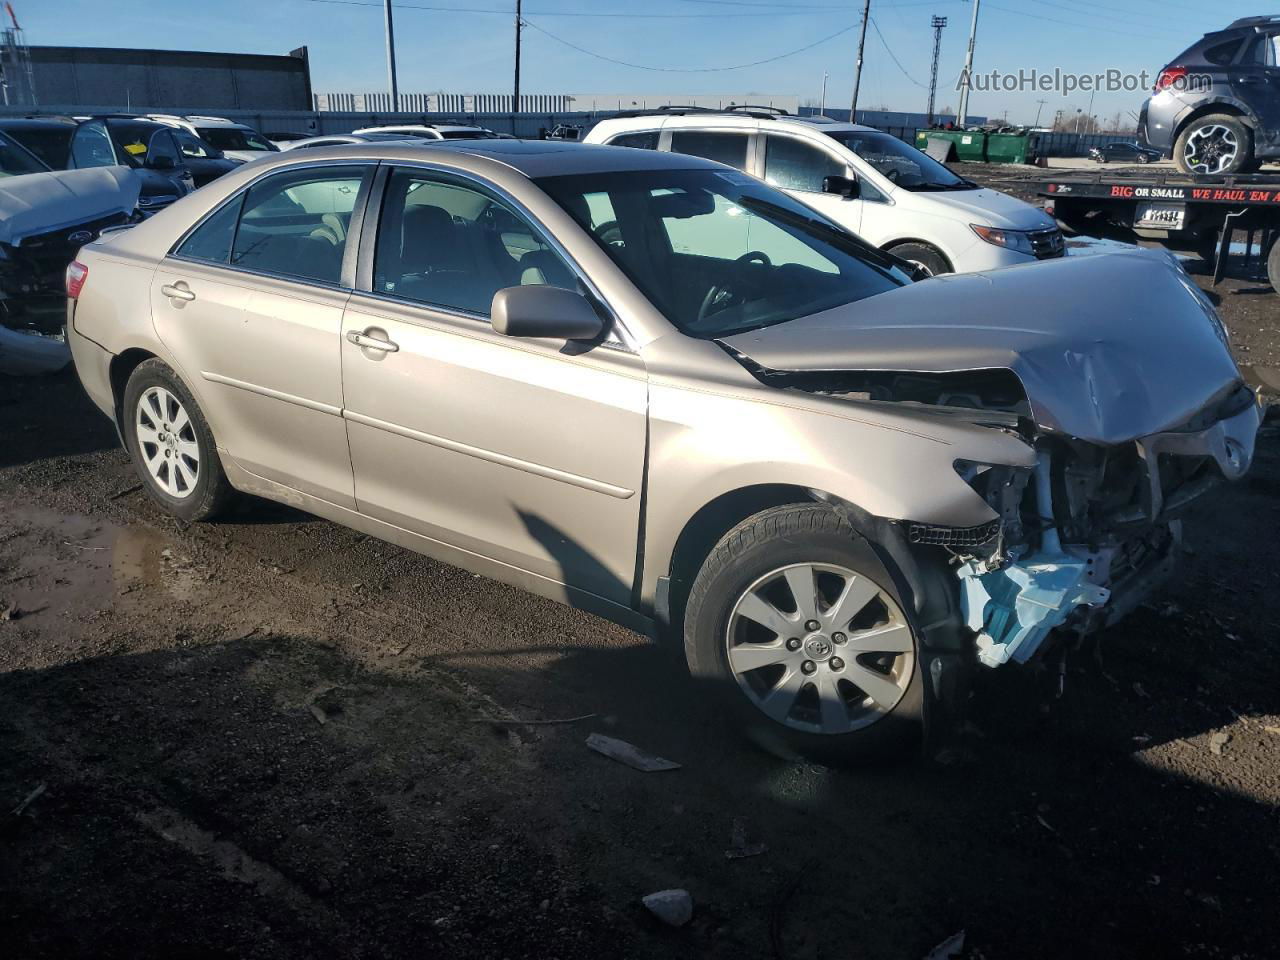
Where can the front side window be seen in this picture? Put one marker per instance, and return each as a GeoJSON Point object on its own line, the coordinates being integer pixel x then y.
{"type": "Point", "coordinates": [899, 162]}
{"type": "Point", "coordinates": [795, 165]}
{"type": "Point", "coordinates": [720, 146]}
{"type": "Point", "coordinates": [191, 146]}
{"type": "Point", "coordinates": [296, 224]}
{"type": "Point", "coordinates": [50, 145]}
{"type": "Point", "coordinates": [644, 140]}
{"type": "Point", "coordinates": [235, 138]}
{"type": "Point", "coordinates": [91, 147]}
{"type": "Point", "coordinates": [720, 253]}
{"type": "Point", "coordinates": [447, 243]}
{"type": "Point", "coordinates": [162, 145]}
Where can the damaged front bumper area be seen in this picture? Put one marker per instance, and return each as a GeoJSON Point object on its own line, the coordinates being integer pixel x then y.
{"type": "Point", "coordinates": [1091, 531]}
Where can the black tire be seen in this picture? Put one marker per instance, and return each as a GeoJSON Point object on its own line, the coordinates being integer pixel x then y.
{"type": "Point", "coordinates": [808, 533]}
{"type": "Point", "coordinates": [1243, 157]}
{"type": "Point", "coordinates": [1143, 158]}
{"type": "Point", "coordinates": [211, 490]}
{"type": "Point", "coordinates": [1273, 265]}
{"type": "Point", "coordinates": [928, 258]}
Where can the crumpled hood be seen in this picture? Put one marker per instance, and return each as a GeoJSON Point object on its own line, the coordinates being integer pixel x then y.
{"type": "Point", "coordinates": [36, 203]}
{"type": "Point", "coordinates": [1108, 349]}
{"type": "Point", "coordinates": [993, 208]}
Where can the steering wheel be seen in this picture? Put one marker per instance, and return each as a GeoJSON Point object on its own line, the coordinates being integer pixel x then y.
{"type": "Point", "coordinates": [892, 174]}
{"type": "Point", "coordinates": [725, 293]}
{"type": "Point", "coordinates": [609, 233]}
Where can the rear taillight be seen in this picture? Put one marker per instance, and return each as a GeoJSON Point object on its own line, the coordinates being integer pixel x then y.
{"type": "Point", "coordinates": [1169, 76]}
{"type": "Point", "coordinates": [77, 274]}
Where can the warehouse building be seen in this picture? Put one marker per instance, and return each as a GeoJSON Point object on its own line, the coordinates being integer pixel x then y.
{"type": "Point", "coordinates": [187, 79]}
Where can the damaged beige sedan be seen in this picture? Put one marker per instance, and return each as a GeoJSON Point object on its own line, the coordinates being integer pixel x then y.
{"type": "Point", "coordinates": [655, 388]}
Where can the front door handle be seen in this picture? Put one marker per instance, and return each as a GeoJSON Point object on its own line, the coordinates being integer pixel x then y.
{"type": "Point", "coordinates": [371, 343]}
{"type": "Point", "coordinates": [178, 291]}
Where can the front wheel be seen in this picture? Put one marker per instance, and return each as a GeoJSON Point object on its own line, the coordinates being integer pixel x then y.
{"type": "Point", "coordinates": [1273, 266]}
{"type": "Point", "coordinates": [171, 444]}
{"type": "Point", "coordinates": [795, 624]}
{"type": "Point", "coordinates": [927, 258]}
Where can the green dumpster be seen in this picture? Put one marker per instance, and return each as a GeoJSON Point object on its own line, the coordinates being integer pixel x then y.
{"type": "Point", "coordinates": [1009, 148]}
{"type": "Point", "coordinates": [969, 144]}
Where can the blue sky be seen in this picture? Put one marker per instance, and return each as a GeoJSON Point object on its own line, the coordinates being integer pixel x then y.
{"type": "Point", "coordinates": [464, 52]}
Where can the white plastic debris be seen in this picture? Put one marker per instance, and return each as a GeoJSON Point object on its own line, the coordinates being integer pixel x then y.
{"type": "Point", "coordinates": [629, 754]}
{"type": "Point", "coordinates": [672, 907]}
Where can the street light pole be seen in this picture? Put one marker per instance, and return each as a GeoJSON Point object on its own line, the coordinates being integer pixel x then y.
{"type": "Point", "coordinates": [966, 78]}
{"type": "Point", "coordinates": [822, 104]}
{"type": "Point", "coordinates": [857, 70]}
{"type": "Point", "coordinates": [515, 98]}
{"type": "Point", "coordinates": [391, 60]}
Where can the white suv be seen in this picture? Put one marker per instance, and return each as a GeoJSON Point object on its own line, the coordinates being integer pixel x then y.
{"type": "Point", "coordinates": [238, 141]}
{"type": "Point", "coordinates": [435, 131]}
{"type": "Point", "coordinates": [904, 201]}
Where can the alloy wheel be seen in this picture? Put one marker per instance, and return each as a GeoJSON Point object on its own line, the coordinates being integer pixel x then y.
{"type": "Point", "coordinates": [167, 442]}
{"type": "Point", "coordinates": [820, 648]}
{"type": "Point", "coordinates": [1211, 149]}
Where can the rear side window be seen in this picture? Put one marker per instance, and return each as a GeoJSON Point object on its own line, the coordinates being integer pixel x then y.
{"type": "Point", "coordinates": [795, 165]}
{"type": "Point", "coordinates": [646, 140]}
{"type": "Point", "coordinates": [722, 147]}
{"type": "Point", "coordinates": [295, 224]}
{"type": "Point", "coordinates": [212, 240]}
{"type": "Point", "coordinates": [1224, 53]}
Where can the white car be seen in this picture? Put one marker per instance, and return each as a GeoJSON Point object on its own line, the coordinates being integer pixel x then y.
{"type": "Point", "coordinates": [435, 131]}
{"type": "Point", "coordinates": [899, 200]}
{"type": "Point", "coordinates": [238, 141]}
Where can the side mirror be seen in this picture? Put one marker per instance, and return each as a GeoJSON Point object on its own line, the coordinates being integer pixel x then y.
{"type": "Point", "coordinates": [542, 311]}
{"type": "Point", "coordinates": [161, 163]}
{"type": "Point", "coordinates": [846, 187]}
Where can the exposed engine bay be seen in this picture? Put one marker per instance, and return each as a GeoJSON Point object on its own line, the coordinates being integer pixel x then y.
{"type": "Point", "coordinates": [1080, 539]}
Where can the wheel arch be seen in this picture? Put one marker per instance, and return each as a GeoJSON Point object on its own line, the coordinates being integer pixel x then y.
{"type": "Point", "coordinates": [888, 248]}
{"type": "Point", "coordinates": [118, 373]}
{"type": "Point", "coordinates": [1229, 107]}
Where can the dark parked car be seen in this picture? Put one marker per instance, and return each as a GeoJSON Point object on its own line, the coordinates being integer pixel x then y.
{"type": "Point", "coordinates": [1124, 153]}
{"type": "Point", "coordinates": [1216, 106]}
{"type": "Point", "coordinates": [206, 162]}
{"type": "Point", "coordinates": [148, 148]}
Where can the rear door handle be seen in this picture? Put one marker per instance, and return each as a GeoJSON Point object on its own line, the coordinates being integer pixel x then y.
{"type": "Point", "coordinates": [178, 291]}
{"type": "Point", "coordinates": [371, 343]}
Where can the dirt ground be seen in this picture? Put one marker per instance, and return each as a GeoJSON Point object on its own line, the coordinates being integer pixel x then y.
{"type": "Point", "coordinates": [272, 737]}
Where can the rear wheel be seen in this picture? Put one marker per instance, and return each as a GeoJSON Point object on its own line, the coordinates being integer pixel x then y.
{"type": "Point", "coordinates": [796, 625]}
{"type": "Point", "coordinates": [171, 444]}
{"type": "Point", "coordinates": [1214, 144]}
{"type": "Point", "coordinates": [1273, 265]}
{"type": "Point", "coordinates": [927, 258]}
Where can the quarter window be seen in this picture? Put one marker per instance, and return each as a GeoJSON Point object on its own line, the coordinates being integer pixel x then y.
{"type": "Point", "coordinates": [446, 243]}
{"type": "Point", "coordinates": [296, 224]}
{"type": "Point", "coordinates": [212, 240]}
{"type": "Point", "coordinates": [647, 140]}
{"type": "Point", "coordinates": [722, 147]}
{"type": "Point", "coordinates": [795, 165]}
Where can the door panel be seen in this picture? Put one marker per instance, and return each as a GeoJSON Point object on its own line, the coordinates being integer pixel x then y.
{"type": "Point", "coordinates": [262, 356]}
{"type": "Point", "coordinates": [516, 450]}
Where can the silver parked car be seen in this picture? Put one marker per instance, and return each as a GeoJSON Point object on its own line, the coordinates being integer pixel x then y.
{"type": "Point", "coordinates": [653, 387]}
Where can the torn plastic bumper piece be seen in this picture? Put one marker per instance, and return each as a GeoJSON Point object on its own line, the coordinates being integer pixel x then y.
{"type": "Point", "coordinates": [1013, 609]}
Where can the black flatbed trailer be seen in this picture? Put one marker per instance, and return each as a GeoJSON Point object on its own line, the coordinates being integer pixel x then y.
{"type": "Point", "coordinates": [1183, 212]}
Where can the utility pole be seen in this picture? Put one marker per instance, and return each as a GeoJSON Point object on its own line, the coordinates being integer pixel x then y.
{"type": "Point", "coordinates": [966, 78]}
{"type": "Point", "coordinates": [1038, 109]}
{"type": "Point", "coordinates": [391, 61]}
{"type": "Point", "coordinates": [937, 23]}
{"type": "Point", "coordinates": [857, 71]}
{"type": "Point", "coordinates": [822, 104]}
{"type": "Point", "coordinates": [515, 98]}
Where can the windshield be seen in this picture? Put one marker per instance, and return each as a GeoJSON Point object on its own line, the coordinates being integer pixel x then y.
{"type": "Point", "coordinates": [15, 161]}
{"type": "Point", "coordinates": [132, 140]}
{"type": "Point", "coordinates": [900, 162]}
{"type": "Point", "coordinates": [52, 146]}
{"type": "Point", "coordinates": [719, 252]}
{"type": "Point", "coordinates": [235, 138]}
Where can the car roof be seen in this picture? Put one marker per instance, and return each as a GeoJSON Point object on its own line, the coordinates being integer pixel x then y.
{"type": "Point", "coordinates": [41, 123]}
{"type": "Point", "coordinates": [729, 118]}
{"type": "Point", "coordinates": [532, 158]}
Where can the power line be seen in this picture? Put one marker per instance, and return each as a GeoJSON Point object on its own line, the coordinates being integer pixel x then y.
{"type": "Point", "coordinates": [884, 44]}
{"type": "Point", "coordinates": [569, 13]}
{"type": "Point", "coordinates": [641, 66]}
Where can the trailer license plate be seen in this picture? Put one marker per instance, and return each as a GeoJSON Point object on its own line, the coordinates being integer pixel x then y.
{"type": "Point", "coordinates": [1161, 216]}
